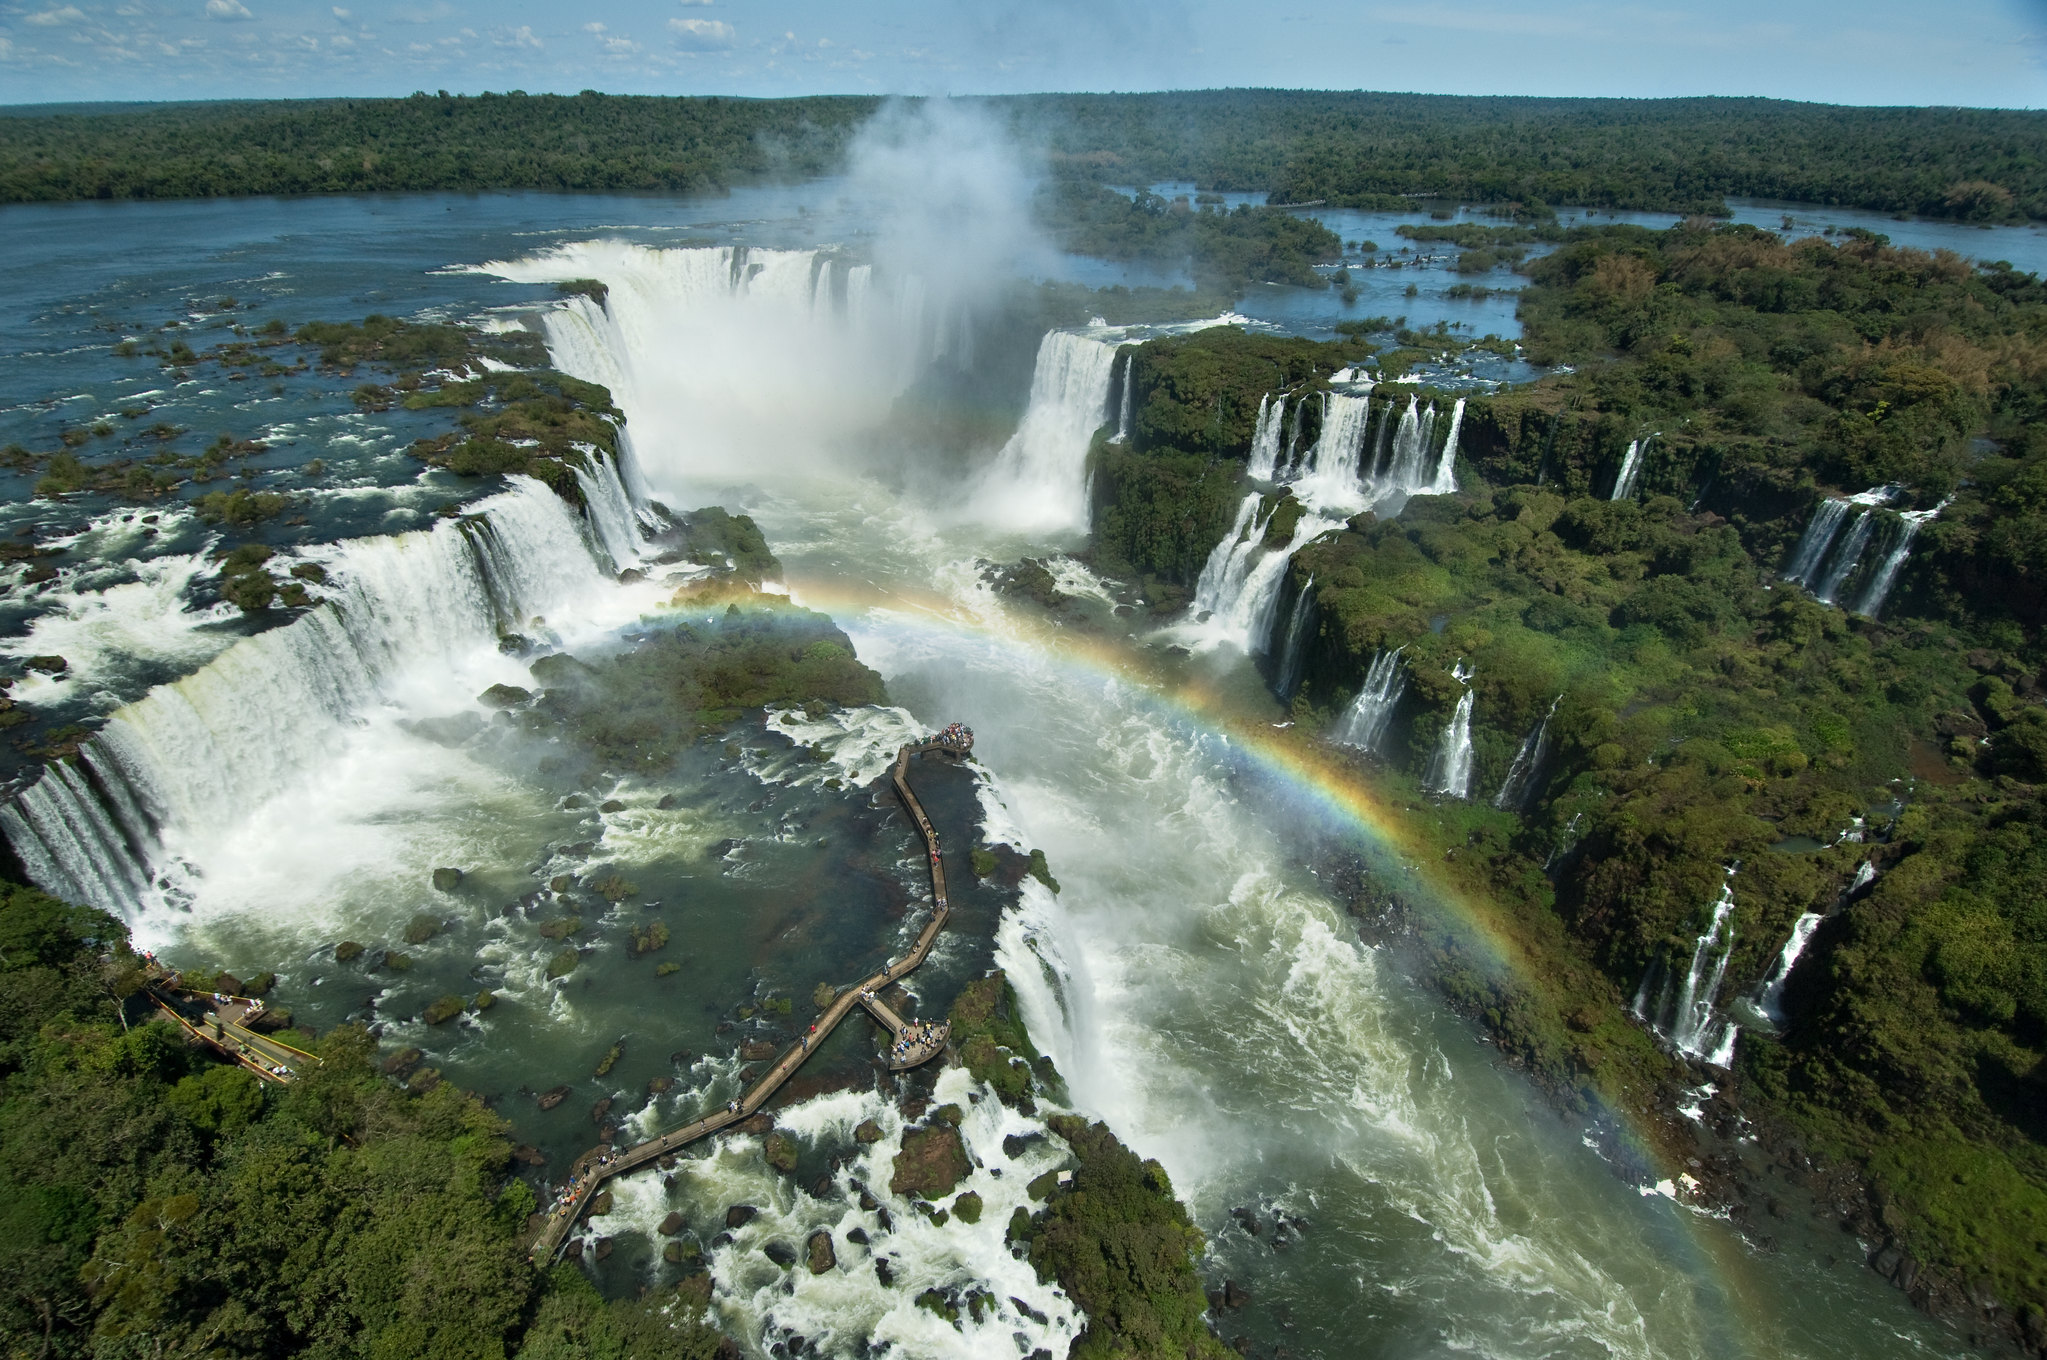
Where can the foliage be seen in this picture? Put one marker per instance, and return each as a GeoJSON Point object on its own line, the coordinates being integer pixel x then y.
{"type": "Point", "coordinates": [1224, 251]}
{"type": "Point", "coordinates": [1123, 1248]}
{"type": "Point", "coordinates": [988, 1031]}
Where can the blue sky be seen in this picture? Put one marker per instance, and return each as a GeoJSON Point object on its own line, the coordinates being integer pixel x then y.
{"type": "Point", "coordinates": [1976, 52]}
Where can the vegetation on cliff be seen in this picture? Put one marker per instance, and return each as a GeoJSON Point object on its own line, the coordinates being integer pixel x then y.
{"type": "Point", "coordinates": [1708, 714]}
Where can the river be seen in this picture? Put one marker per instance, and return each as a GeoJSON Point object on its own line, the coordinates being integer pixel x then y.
{"type": "Point", "coordinates": [1193, 981]}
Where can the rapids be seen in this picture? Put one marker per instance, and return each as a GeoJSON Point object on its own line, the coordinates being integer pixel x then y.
{"type": "Point", "coordinates": [1193, 980]}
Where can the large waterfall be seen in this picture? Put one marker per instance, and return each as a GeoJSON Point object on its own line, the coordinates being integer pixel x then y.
{"type": "Point", "coordinates": [1128, 405]}
{"type": "Point", "coordinates": [1631, 467]}
{"type": "Point", "coordinates": [1291, 648]}
{"type": "Point", "coordinates": [1235, 596]}
{"type": "Point", "coordinates": [1264, 462]}
{"type": "Point", "coordinates": [1449, 773]}
{"type": "Point", "coordinates": [1770, 996]}
{"type": "Point", "coordinates": [1871, 602]}
{"type": "Point", "coordinates": [1684, 1013]}
{"type": "Point", "coordinates": [1364, 723]}
{"type": "Point", "coordinates": [1038, 483]}
{"type": "Point", "coordinates": [126, 827]}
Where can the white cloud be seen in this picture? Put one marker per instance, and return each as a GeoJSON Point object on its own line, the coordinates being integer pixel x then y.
{"type": "Point", "coordinates": [693, 2]}
{"type": "Point", "coordinates": [228, 10]}
{"type": "Point", "coordinates": [593, 28]}
{"type": "Point", "coordinates": [522, 36]}
{"type": "Point", "coordinates": [50, 18]}
{"type": "Point", "coordinates": [702, 35]}
{"type": "Point", "coordinates": [342, 14]}
{"type": "Point", "coordinates": [6, 47]}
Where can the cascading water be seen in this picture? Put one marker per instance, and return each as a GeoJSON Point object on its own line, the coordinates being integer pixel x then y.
{"type": "Point", "coordinates": [1292, 649]}
{"type": "Point", "coordinates": [1264, 463]}
{"type": "Point", "coordinates": [1333, 478]}
{"type": "Point", "coordinates": [1631, 466]}
{"type": "Point", "coordinates": [1813, 544]}
{"type": "Point", "coordinates": [1826, 558]}
{"type": "Point", "coordinates": [1523, 775]}
{"type": "Point", "coordinates": [1037, 483]}
{"type": "Point", "coordinates": [1449, 773]}
{"type": "Point", "coordinates": [1846, 557]}
{"type": "Point", "coordinates": [1878, 590]}
{"type": "Point", "coordinates": [127, 829]}
{"type": "Point", "coordinates": [1127, 406]}
{"type": "Point", "coordinates": [1685, 1016]}
{"type": "Point", "coordinates": [1364, 723]}
{"type": "Point", "coordinates": [1770, 997]}
{"type": "Point", "coordinates": [1445, 481]}
{"type": "Point", "coordinates": [1222, 576]}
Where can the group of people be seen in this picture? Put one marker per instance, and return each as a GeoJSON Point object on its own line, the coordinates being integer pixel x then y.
{"type": "Point", "coordinates": [566, 1204]}
{"type": "Point", "coordinates": [957, 734]}
{"type": "Point", "coordinates": [916, 1035]}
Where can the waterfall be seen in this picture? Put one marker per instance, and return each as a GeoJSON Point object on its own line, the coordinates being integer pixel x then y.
{"type": "Point", "coordinates": [1037, 483]}
{"type": "Point", "coordinates": [1770, 998]}
{"type": "Point", "coordinates": [1445, 481]}
{"type": "Point", "coordinates": [1292, 649]}
{"type": "Point", "coordinates": [1364, 723]}
{"type": "Point", "coordinates": [1238, 590]}
{"type": "Point", "coordinates": [1521, 781]}
{"type": "Point", "coordinates": [1449, 773]}
{"type": "Point", "coordinates": [1264, 464]}
{"type": "Point", "coordinates": [1687, 1019]}
{"type": "Point", "coordinates": [613, 517]}
{"type": "Point", "coordinates": [1886, 575]}
{"type": "Point", "coordinates": [1125, 408]}
{"type": "Point", "coordinates": [1333, 480]}
{"type": "Point", "coordinates": [1631, 463]}
{"type": "Point", "coordinates": [1846, 557]}
{"type": "Point", "coordinates": [121, 828]}
{"type": "Point", "coordinates": [1864, 876]}
{"type": "Point", "coordinates": [1819, 536]}
{"type": "Point", "coordinates": [1222, 576]}
{"type": "Point", "coordinates": [1292, 467]}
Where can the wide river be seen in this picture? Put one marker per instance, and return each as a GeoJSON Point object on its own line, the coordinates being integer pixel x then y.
{"type": "Point", "coordinates": [1192, 980]}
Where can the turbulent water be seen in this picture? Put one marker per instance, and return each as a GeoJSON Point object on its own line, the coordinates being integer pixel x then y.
{"type": "Point", "coordinates": [1192, 980]}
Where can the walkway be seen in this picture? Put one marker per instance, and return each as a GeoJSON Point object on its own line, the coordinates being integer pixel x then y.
{"type": "Point", "coordinates": [225, 1026]}
{"type": "Point", "coordinates": [914, 1043]}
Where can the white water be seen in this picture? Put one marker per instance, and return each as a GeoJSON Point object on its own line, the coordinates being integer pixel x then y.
{"type": "Point", "coordinates": [1631, 466]}
{"type": "Point", "coordinates": [1038, 482]}
{"type": "Point", "coordinates": [1364, 723]}
{"type": "Point", "coordinates": [1291, 651]}
{"type": "Point", "coordinates": [411, 627]}
{"type": "Point", "coordinates": [1449, 774]}
{"type": "Point", "coordinates": [1520, 784]}
{"type": "Point", "coordinates": [1770, 1000]}
{"type": "Point", "coordinates": [1264, 462]}
{"type": "Point", "coordinates": [1879, 588]}
{"type": "Point", "coordinates": [1444, 483]}
{"type": "Point", "coordinates": [1818, 537]}
{"type": "Point", "coordinates": [1129, 403]}
{"type": "Point", "coordinates": [1847, 556]}
{"type": "Point", "coordinates": [1687, 1019]}
{"type": "Point", "coordinates": [1238, 590]}
{"type": "Point", "coordinates": [1332, 481]}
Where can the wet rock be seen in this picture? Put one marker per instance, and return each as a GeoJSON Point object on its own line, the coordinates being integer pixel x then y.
{"type": "Point", "coordinates": [550, 1099]}
{"type": "Point", "coordinates": [660, 1086]}
{"type": "Point", "coordinates": [528, 1155]}
{"type": "Point", "coordinates": [672, 1224]}
{"type": "Point", "coordinates": [48, 665]}
{"type": "Point", "coordinates": [603, 1247]}
{"type": "Point", "coordinates": [869, 1202]}
{"type": "Point", "coordinates": [759, 1124]}
{"type": "Point", "coordinates": [739, 1215]}
{"type": "Point", "coordinates": [756, 1050]}
{"type": "Point", "coordinates": [504, 696]}
{"type": "Point", "coordinates": [608, 1134]}
{"type": "Point", "coordinates": [574, 1250]}
{"type": "Point", "coordinates": [600, 1204]}
{"type": "Point", "coordinates": [447, 880]}
{"type": "Point", "coordinates": [1235, 1295]}
{"type": "Point", "coordinates": [672, 1253]}
{"type": "Point", "coordinates": [781, 1253]}
{"type": "Point", "coordinates": [600, 1109]}
{"type": "Point", "coordinates": [404, 1060]}
{"type": "Point", "coordinates": [347, 950]}
{"type": "Point", "coordinates": [868, 1132]}
{"type": "Point", "coordinates": [858, 1236]}
{"type": "Point", "coordinates": [1014, 1145]}
{"type": "Point", "coordinates": [822, 1255]}
{"type": "Point", "coordinates": [781, 1153]}
{"type": "Point", "coordinates": [611, 805]}
{"type": "Point", "coordinates": [883, 1273]}
{"type": "Point", "coordinates": [932, 1162]}
{"type": "Point", "coordinates": [443, 1010]}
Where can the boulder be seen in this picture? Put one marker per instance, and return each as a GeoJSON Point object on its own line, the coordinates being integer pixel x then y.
{"type": "Point", "coordinates": [780, 1151]}
{"type": "Point", "coordinates": [868, 1132]}
{"type": "Point", "coordinates": [600, 1204]}
{"type": "Point", "coordinates": [550, 1099]}
{"type": "Point", "coordinates": [1235, 1295]}
{"type": "Point", "coordinates": [347, 950]}
{"type": "Point", "coordinates": [672, 1224]}
{"type": "Point", "coordinates": [739, 1215]}
{"type": "Point", "coordinates": [781, 1253]}
{"type": "Point", "coordinates": [603, 1246]}
{"type": "Point", "coordinates": [447, 880]}
{"type": "Point", "coordinates": [404, 1060]}
{"type": "Point", "coordinates": [822, 1257]}
{"type": "Point", "coordinates": [443, 1010]}
{"type": "Point", "coordinates": [756, 1050]}
{"type": "Point", "coordinates": [504, 696]}
{"type": "Point", "coordinates": [932, 1162]}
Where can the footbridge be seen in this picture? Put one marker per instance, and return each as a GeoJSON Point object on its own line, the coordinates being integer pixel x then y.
{"type": "Point", "coordinates": [913, 1042]}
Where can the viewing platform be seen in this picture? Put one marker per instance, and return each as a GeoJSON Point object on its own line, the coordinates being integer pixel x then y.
{"type": "Point", "coordinates": [222, 1022]}
{"type": "Point", "coordinates": [912, 1043]}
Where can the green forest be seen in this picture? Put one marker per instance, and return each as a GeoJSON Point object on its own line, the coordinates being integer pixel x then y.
{"type": "Point", "coordinates": [1346, 148]}
{"type": "Point", "coordinates": [1703, 712]}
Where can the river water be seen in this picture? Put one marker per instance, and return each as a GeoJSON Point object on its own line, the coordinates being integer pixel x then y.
{"type": "Point", "coordinates": [1193, 982]}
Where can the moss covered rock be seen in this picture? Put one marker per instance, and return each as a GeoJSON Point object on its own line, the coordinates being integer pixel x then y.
{"type": "Point", "coordinates": [933, 1160]}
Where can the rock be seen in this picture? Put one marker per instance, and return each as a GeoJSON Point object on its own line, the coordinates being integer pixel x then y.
{"type": "Point", "coordinates": [48, 665]}
{"type": "Point", "coordinates": [824, 995]}
{"type": "Point", "coordinates": [600, 1204]}
{"type": "Point", "coordinates": [697, 1290]}
{"type": "Point", "coordinates": [560, 883]}
{"type": "Point", "coordinates": [611, 805]}
{"type": "Point", "coordinates": [672, 1224]}
{"type": "Point", "coordinates": [739, 1215]}
{"type": "Point", "coordinates": [868, 1132]}
{"type": "Point", "coordinates": [562, 964]}
{"type": "Point", "coordinates": [443, 1010]}
{"type": "Point", "coordinates": [504, 696]}
{"type": "Point", "coordinates": [660, 1086]}
{"type": "Point", "coordinates": [528, 1155]}
{"type": "Point", "coordinates": [447, 880]}
{"type": "Point", "coordinates": [781, 1253]}
{"type": "Point", "coordinates": [550, 1099]}
{"type": "Point", "coordinates": [967, 1208]}
{"type": "Point", "coordinates": [600, 1109]}
{"type": "Point", "coordinates": [485, 999]}
{"type": "Point", "coordinates": [883, 1273]}
{"type": "Point", "coordinates": [869, 1202]}
{"type": "Point", "coordinates": [603, 1245]}
{"type": "Point", "coordinates": [397, 961]}
{"type": "Point", "coordinates": [672, 1253]}
{"type": "Point", "coordinates": [858, 1236]}
{"type": "Point", "coordinates": [756, 1050]}
{"type": "Point", "coordinates": [668, 802]}
{"type": "Point", "coordinates": [822, 1256]}
{"type": "Point", "coordinates": [759, 1124]}
{"type": "Point", "coordinates": [932, 1162]}
{"type": "Point", "coordinates": [424, 927]}
{"type": "Point", "coordinates": [780, 1151]}
{"type": "Point", "coordinates": [1235, 1295]}
{"type": "Point", "coordinates": [610, 1058]}
{"type": "Point", "coordinates": [1013, 1146]}
{"type": "Point", "coordinates": [404, 1060]}
{"type": "Point", "coordinates": [574, 1250]}
{"type": "Point", "coordinates": [347, 950]}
